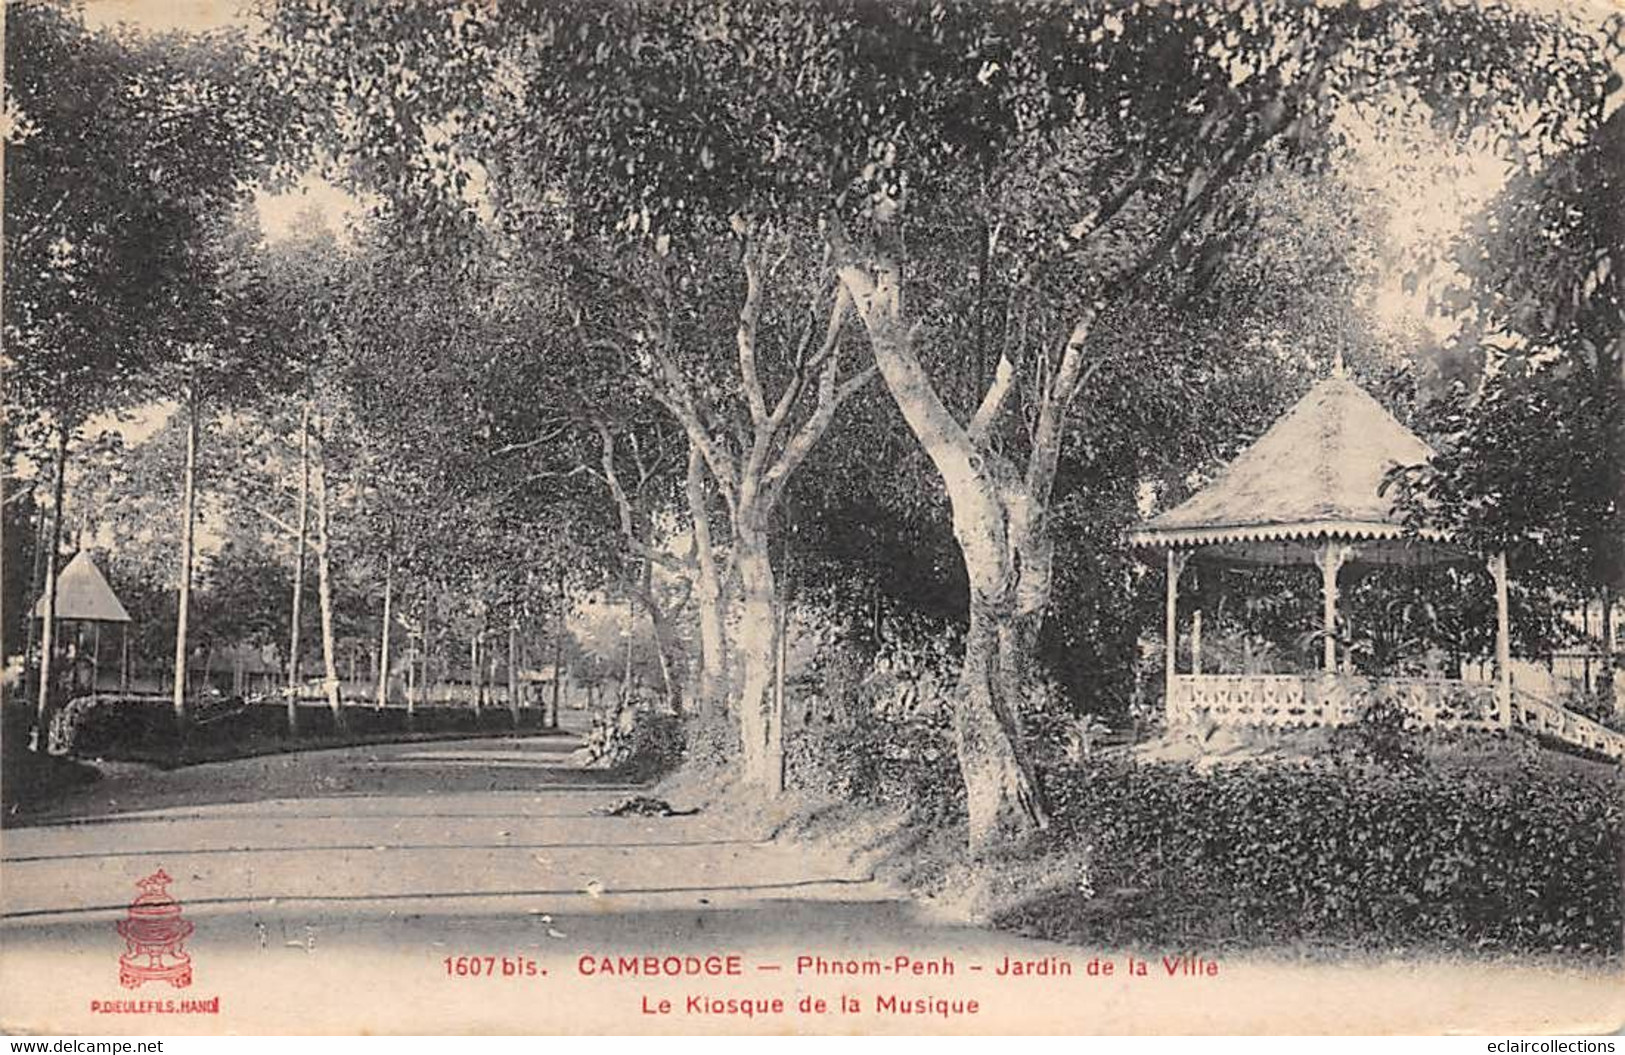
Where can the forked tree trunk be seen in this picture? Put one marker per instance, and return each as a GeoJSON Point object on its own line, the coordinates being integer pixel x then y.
{"type": "Point", "coordinates": [751, 477]}
{"type": "Point", "coordinates": [999, 523]}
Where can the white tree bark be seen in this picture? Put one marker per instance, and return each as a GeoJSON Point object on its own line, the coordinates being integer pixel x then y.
{"type": "Point", "coordinates": [751, 479]}
{"type": "Point", "coordinates": [713, 679]}
{"type": "Point", "coordinates": [302, 534]}
{"type": "Point", "coordinates": [324, 589]}
{"type": "Point", "coordinates": [1000, 523]}
{"type": "Point", "coordinates": [188, 520]}
{"type": "Point", "coordinates": [384, 634]}
{"type": "Point", "coordinates": [42, 714]}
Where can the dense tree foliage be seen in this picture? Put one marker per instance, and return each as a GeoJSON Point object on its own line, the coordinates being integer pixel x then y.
{"type": "Point", "coordinates": [898, 312]}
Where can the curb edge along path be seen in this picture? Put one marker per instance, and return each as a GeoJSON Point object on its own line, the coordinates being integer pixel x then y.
{"type": "Point", "coordinates": [336, 890]}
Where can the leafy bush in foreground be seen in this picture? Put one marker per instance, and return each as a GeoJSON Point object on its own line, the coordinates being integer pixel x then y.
{"type": "Point", "coordinates": [1261, 854]}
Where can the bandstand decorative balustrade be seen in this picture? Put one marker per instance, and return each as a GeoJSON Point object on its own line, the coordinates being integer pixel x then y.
{"type": "Point", "coordinates": [1307, 701]}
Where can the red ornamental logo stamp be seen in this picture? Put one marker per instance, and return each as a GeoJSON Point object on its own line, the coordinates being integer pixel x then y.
{"type": "Point", "coordinates": [154, 937]}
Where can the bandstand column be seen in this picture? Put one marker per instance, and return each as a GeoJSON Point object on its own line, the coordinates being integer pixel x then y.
{"type": "Point", "coordinates": [1330, 559]}
{"type": "Point", "coordinates": [1503, 640]}
{"type": "Point", "coordinates": [1196, 641]}
{"type": "Point", "coordinates": [1170, 652]}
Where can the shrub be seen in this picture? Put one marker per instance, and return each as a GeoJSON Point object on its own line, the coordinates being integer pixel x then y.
{"type": "Point", "coordinates": [876, 726]}
{"type": "Point", "coordinates": [634, 737]}
{"type": "Point", "coordinates": [1379, 736]}
{"type": "Point", "coordinates": [874, 759]}
{"type": "Point", "coordinates": [1256, 854]}
{"type": "Point", "coordinates": [1594, 704]}
{"type": "Point", "coordinates": [710, 741]}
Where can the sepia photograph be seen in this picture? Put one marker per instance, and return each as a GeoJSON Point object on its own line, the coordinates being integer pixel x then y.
{"type": "Point", "coordinates": [812, 517]}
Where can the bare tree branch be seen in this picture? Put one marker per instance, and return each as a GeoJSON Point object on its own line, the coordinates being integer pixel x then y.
{"type": "Point", "coordinates": [1054, 403]}
{"type": "Point", "coordinates": [749, 315]}
{"type": "Point", "coordinates": [878, 300]}
{"type": "Point", "coordinates": [1004, 381]}
{"type": "Point", "coordinates": [527, 444]}
{"type": "Point", "coordinates": [831, 396]}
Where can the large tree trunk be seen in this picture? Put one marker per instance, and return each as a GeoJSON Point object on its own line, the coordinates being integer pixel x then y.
{"type": "Point", "coordinates": [658, 628]}
{"type": "Point", "coordinates": [751, 476]}
{"type": "Point", "coordinates": [295, 617]}
{"type": "Point", "coordinates": [756, 647]}
{"type": "Point", "coordinates": [188, 517]}
{"type": "Point", "coordinates": [324, 594]}
{"type": "Point", "coordinates": [42, 716]}
{"type": "Point", "coordinates": [999, 523]}
{"type": "Point", "coordinates": [1003, 798]}
{"type": "Point", "coordinates": [661, 631]}
{"type": "Point", "coordinates": [713, 680]}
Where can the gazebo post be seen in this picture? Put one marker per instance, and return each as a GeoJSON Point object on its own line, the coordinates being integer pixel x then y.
{"type": "Point", "coordinates": [1170, 652]}
{"type": "Point", "coordinates": [1330, 558]}
{"type": "Point", "coordinates": [1196, 622]}
{"type": "Point", "coordinates": [1196, 641]}
{"type": "Point", "coordinates": [1503, 640]}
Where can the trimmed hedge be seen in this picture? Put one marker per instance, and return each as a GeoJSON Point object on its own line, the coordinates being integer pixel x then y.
{"type": "Point", "coordinates": [122, 729]}
{"type": "Point", "coordinates": [1257, 855]}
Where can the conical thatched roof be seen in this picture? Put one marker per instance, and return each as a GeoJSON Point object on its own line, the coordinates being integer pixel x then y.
{"type": "Point", "coordinates": [1316, 474]}
{"type": "Point", "coordinates": [82, 593]}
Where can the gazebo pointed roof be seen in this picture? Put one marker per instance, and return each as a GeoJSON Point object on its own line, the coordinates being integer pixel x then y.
{"type": "Point", "coordinates": [82, 593]}
{"type": "Point", "coordinates": [1316, 474]}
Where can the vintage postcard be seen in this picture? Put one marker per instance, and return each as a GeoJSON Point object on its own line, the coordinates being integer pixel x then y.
{"type": "Point", "coordinates": [823, 517]}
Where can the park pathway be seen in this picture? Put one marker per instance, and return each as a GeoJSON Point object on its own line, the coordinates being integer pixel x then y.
{"type": "Point", "coordinates": [480, 886]}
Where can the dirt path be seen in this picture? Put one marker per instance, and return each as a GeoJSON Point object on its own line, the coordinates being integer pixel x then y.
{"type": "Point", "coordinates": [338, 891]}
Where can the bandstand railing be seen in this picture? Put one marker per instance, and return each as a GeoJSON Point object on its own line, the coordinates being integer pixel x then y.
{"type": "Point", "coordinates": [1310, 700]}
{"type": "Point", "coordinates": [1314, 700]}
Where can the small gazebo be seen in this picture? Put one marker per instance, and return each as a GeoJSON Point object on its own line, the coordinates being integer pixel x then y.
{"type": "Point", "coordinates": [1309, 493]}
{"type": "Point", "coordinates": [84, 597]}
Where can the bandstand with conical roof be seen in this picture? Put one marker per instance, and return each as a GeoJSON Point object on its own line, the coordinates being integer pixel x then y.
{"type": "Point", "coordinates": [1309, 492]}
{"type": "Point", "coordinates": [83, 597]}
